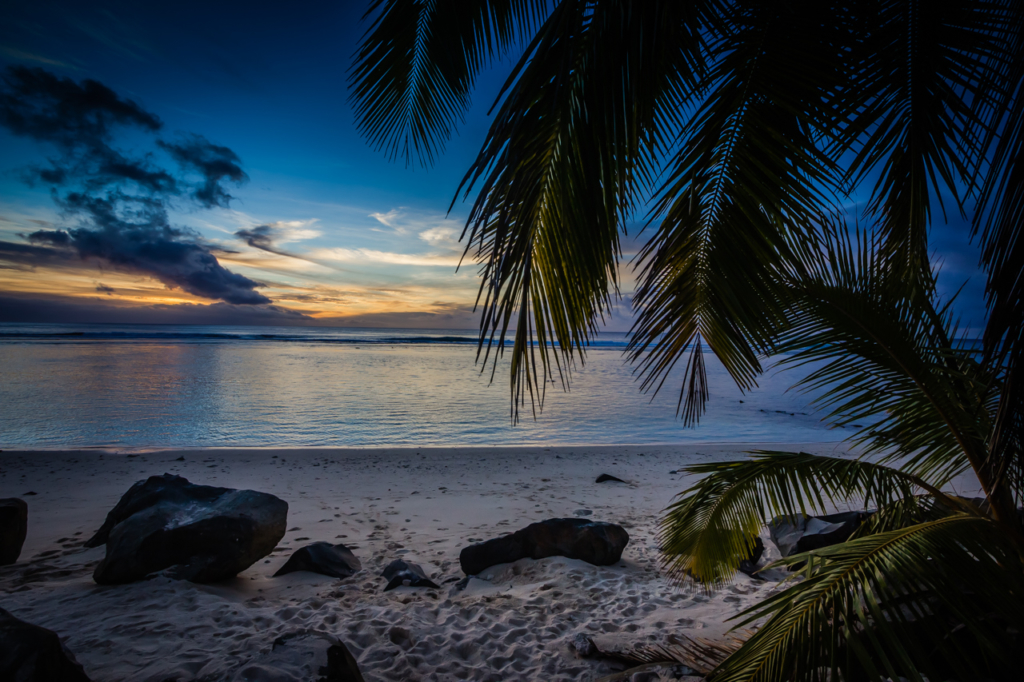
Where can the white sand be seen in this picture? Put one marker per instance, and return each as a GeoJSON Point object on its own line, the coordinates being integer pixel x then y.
{"type": "Point", "coordinates": [420, 504]}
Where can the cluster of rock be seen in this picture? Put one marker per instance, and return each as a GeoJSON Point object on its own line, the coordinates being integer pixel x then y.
{"type": "Point", "coordinates": [203, 534]}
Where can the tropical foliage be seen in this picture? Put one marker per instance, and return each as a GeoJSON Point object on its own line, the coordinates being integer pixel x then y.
{"type": "Point", "coordinates": [739, 133]}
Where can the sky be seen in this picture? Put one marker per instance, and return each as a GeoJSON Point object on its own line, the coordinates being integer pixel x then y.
{"type": "Point", "coordinates": [256, 200]}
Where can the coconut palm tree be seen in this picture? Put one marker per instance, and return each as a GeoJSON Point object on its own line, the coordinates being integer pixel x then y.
{"type": "Point", "coordinates": [738, 133]}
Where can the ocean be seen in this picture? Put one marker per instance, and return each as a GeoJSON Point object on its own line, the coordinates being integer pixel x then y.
{"type": "Point", "coordinates": [137, 386]}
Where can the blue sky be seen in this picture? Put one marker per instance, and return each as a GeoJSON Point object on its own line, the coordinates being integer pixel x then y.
{"type": "Point", "coordinates": [358, 240]}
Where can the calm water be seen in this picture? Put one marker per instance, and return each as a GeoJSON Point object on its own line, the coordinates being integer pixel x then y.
{"type": "Point", "coordinates": [107, 385]}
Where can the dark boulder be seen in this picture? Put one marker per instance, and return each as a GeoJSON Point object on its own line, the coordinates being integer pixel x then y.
{"type": "Point", "coordinates": [403, 573]}
{"type": "Point", "coordinates": [29, 653]}
{"type": "Point", "coordinates": [341, 666]}
{"type": "Point", "coordinates": [154, 490]}
{"type": "Point", "coordinates": [337, 561]}
{"type": "Point", "coordinates": [202, 533]}
{"type": "Point", "coordinates": [796, 534]}
{"type": "Point", "coordinates": [13, 528]}
{"type": "Point", "coordinates": [595, 542]}
{"type": "Point", "coordinates": [608, 477]}
{"type": "Point", "coordinates": [749, 565]}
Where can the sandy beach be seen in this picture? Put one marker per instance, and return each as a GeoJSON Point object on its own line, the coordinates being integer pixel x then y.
{"type": "Point", "coordinates": [513, 622]}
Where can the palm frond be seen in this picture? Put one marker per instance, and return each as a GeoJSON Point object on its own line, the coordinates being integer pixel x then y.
{"type": "Point", "coordinates": [882, 357]}
{"type": "Point", "coordinates": [575, 138]}
{"type": "Point", "coordinates": [417, 63]}
{"type": "Point", "coordinates": [744, 195]}
{"type": "Point", "coordinates": [711, 528]}
{"type": "Point", "coordinates": [915, 75]}
{"type": "Point", "coordinates": [938, 600]}
{"type": "Point", "coordinates": [1000, 221]}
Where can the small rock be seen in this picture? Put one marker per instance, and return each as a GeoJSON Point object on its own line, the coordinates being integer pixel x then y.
{"type": "Point", "coordinates": [341, 666]}
{"type": "Point", "coordinates": [401, 573]}
{"type": "Point", "coordinates": [30, 492]}
{"type": "Point", "coordinates": [749, 565]}
{"type": "Point", "coordinates": [608, 477]}
{"type": "Point", "coordinates": [336, 561]}
{"type": "Point", "coordinates": [13, 529]}
{"type": "Point", "coordinates": [583, 512]}
{"type": "Point", "coordinates": [583, 646]}
{"type": "Point", "coordinates": [34, 654]}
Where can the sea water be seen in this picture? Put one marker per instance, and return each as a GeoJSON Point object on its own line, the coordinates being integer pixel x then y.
{"type": "Point", "coordinates": [189, 386]}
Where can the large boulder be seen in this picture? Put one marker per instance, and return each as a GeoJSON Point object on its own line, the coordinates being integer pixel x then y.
{"type": "Point", "coordinates": [29, 653]}
{"type": "Point", "coordinates": [13, 528]}
{"type": "Point", "coordinates": [337, 561]}
{"type": "Point", "coordinates": [796, 534]}
{"type": "Point", "coordinates": [595, 542]}
{"type": "Point", "coordinates": [202, 533]}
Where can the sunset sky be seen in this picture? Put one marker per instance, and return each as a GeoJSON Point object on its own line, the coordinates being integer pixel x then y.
{"type": "Point", "coordinates": [225, 131]}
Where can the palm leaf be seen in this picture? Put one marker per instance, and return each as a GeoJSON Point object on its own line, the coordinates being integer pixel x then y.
{"type": "Point", "coordinates": [915, 73]}
{"type": "Point", "coordinates": [883, 357]}
{"type": "Point", "coordinates": [417, 63]}
{"type": "Point", "coordinates": [938, 600]}
{"type": "Point", "coordinates": [711, 528]}
{"type": "Point", "coordinates": [743, 197]}
{"type": "Point", "coordinates": [999, 220]}
{"type": "Point", "coordinates": [572, 144]}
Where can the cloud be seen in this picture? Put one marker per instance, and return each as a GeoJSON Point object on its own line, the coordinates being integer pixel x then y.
{"type": "Point", "coordinates": [68, 310]}
{"type": "Point", "coordinates": [267, 237]}
{"type": "Point", "coordinates": [372, 256]}
{"type": "Point", "coordinates": [104, 289]}
{"type": "Point", "coordinates": [388, 219]}
{"type": "Point", "coordinates": [120, 203]}
{"type": "Point", "coordinates": [441, 236]}
{"type": "Point", "coordinates": [213, 162]}
{"type": "Point", "coordinates": [35, 103]}
{"type": "Point", "coordinates": [149, 245]}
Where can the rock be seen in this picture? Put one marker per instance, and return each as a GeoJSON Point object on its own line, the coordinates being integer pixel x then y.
{"type": "Point", "coordinates": [341, 666]}
{"type": "Point", "coordinates": [583, 646]}
{"type": "Point", "coordinates": [749, 565]}
{"type": "Point", "coordinates": [595, 542]}
{"type": "Point", "coordinates": [301, 656]}
{"type": "Point", "coordinates": [337, 561]}
{"type": "Point", "coordinates": [13, 528]}
{"type": "Point", "coordinates": [608, 477]}
{"type": "Point", "coordinates": [202, 533]}
{"type": "Point", "coordinates": [796, 534]}
{"type": "Point", "coordinates": [403, 573]}
{"type": "Point", "coordinates": [29, 653]}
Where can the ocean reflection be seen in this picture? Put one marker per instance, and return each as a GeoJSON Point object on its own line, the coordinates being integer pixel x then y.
{"type": "Point", "coordinates": [177, 389]}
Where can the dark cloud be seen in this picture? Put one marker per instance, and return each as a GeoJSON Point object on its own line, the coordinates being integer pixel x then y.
{"type": "Point", "coordinates": [147, 244]}
{"type": "Point", "coordinates": [41, 308]}
{"type": "Point", "coordinates": [262, 237]}
{"type": "Point", "coordinates": [104, 289]}
{"type": "Point", "coordinates": [214, 162]}
{"type": "Point", "coordinates": [35, 103]}
{"type": "Point", "coordinates": [119, 203]}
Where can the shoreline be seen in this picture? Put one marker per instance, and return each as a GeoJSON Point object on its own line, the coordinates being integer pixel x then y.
{"type": "Point", "coordinates": [419, 504]}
